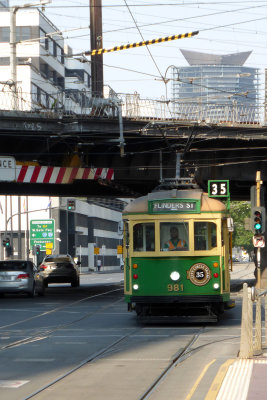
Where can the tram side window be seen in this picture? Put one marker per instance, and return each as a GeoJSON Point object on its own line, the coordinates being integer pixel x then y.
{"type": "Point", "coordinates": [173, 236]}
{"type": "Point", "coordinates": [144, 237]}
{"type": "Point", "coordinates": [205, 235]}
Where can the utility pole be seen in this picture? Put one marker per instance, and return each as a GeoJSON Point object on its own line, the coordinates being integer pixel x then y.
{"type": "Point", "coordinates": [258, 204]}
{"type": "Point", "coordinates": [96, 43]}
{"type": "Point", "coordinates": [13, 55]}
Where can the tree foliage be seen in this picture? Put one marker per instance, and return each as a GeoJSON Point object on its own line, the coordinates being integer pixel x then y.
{"type": "Point", "coordinates": [240, 210]}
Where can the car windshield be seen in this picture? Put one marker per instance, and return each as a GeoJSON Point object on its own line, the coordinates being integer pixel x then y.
{"type": "Point", "coordinates": [13, 265]}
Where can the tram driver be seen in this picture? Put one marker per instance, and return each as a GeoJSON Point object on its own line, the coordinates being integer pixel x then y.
{"type": "Point", "coordinates": [174, 243]}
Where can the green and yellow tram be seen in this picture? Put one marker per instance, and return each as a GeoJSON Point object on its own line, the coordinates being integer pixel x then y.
{"type": "Point", "coordinates": [177, 254]}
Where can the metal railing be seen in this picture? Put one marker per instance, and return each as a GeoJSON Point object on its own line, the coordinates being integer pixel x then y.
{"type": "Point", "coordinates": [251, 341]}
{"type": "Point", "coordinates": [82, 103]}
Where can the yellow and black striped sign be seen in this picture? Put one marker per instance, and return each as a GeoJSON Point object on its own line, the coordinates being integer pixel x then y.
{"type": "Point", "coordinates": [139, 44]}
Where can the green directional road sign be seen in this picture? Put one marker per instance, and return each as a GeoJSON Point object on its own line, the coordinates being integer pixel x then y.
{"type": "Point", "coordinates": [42, 231]}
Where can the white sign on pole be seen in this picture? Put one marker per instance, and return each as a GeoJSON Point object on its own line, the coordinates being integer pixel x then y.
{"type": "Point", "coordinates": [7, 169]}
{"type": "Point", "coordinates": [258, 241]}
{"type": "Point", "coordinates": [103, 250]}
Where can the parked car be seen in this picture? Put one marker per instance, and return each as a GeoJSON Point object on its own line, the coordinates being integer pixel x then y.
{"type": "Point", "coordinates": [235, 259]}
{"type": "Point", "coordinates": [21, 276]}
{"type": "Point", "coordinates": [60, 268]}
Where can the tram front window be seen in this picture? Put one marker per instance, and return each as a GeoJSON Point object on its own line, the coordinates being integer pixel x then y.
{"type": "Point", "coordinates": [205, 236]}
{"type": "Point", "coordinates": [173, 236]}
{"type": "Point", "coordinates": [144, 237]}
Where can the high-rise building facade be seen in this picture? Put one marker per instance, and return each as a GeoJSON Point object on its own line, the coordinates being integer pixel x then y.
{"type": "Point", "coordinates": [216, 87]}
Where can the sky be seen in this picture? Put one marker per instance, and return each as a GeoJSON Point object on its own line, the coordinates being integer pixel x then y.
{"type": "Point", "coordinates": [224, 27]}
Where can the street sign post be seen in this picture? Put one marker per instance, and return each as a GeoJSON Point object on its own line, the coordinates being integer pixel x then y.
{"type": "Point", "coordinates": [42, 232]}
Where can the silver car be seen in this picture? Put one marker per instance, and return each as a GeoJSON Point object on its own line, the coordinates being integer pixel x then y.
{"type": "Point", "coordinates": [60, 268]}
{"type": "Point", "coordinates": [20, 276]}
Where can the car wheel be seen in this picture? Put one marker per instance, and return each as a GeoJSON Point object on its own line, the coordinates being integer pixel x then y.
{"type": "Point", "coordinates": [75, 283]}
{"type": "Point", "coordinates": [42, 292]}
{"type": "Point", "coordinates": [32, 292]}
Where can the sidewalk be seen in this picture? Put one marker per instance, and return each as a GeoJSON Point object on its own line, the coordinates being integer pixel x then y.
{"type": "Point", "coordinates": [240, 379]}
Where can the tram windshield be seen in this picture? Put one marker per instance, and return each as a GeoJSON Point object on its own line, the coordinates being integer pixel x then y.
{"type": "Point", "coordinates": [173, 236]}
{"type": "Point", "coordinates": [205, 236]}
{"type": "Point", "coordinates": [144, 237]}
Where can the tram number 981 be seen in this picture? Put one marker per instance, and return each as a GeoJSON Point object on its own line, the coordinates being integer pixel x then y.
{"type": "Point", "coordinates": [175, 287]}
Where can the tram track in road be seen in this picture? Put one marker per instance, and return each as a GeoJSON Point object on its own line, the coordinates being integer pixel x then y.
{"type": "Point", "coordinates": [87, 360]}
{"type": "Point", "coordinates": [44, 334]}
{"type": "Point", "coordinates": [177, 358]}
{"type": "Point", "coordinates": [181, 355]}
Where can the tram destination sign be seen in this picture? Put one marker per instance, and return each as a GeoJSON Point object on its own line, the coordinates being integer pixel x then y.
{"type": "Point", "coordinates": [174, 206]}
{"type": "Point", "coordinates": [218, 188]}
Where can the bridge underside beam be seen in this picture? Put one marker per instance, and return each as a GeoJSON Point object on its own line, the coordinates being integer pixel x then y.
{"type": "Point", "coordinates": [207, 152]}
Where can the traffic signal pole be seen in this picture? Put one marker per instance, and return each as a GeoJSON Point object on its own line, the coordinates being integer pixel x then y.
{"type": "Point", "coordinates": [258, 201]}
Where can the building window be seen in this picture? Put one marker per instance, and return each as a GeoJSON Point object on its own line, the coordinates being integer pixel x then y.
{"type": "Point", "coordinates": [43, 39]}
{"type": "Point", "coordinates": [62, 57]}
{"type": "Point", "coordinates": [50, 46]}
{"type": "Point", "coordinates": [44, 70]}
{"type": "Point", "coordinates": [87, 79]}
{"type": "Point", "coordinates": [54, 49]}
{"type": "Point", "coordinates": [38, 95]}
{"type": "Point", "coordinates": [5, 34]}
{"type": "Point", "coordinates": [23, 33]}
{"type": "Point", "coordinates": [34, 92]}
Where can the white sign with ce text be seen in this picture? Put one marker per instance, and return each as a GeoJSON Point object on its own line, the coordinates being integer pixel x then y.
{"type": "Point", "coordinates": [7, 169]}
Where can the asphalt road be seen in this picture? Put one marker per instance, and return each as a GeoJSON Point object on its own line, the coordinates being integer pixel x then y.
{"type": "Point", "coordinates": [45, 338]}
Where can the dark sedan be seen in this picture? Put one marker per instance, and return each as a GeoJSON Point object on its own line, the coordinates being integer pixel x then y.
{"type": "Point", "coordinates": [20, 276]}
{"type": "Point", "coordinates": [60, 269]}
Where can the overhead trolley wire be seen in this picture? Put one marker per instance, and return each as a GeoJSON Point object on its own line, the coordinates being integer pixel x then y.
{"type": "Point", "coordinates": [156, 65]}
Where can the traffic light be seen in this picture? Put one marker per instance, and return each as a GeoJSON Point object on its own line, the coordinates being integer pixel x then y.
{"type": "Point", "coordinates": [71, 204]}
{"type": "Point", "coordinates": [37, 250]}
{"type": "Point", "coordinates": [7, 246]}
{"type": "Point", "coordinates": [6, 242]}
{"type": "Point", "coordinates": [258, 220]}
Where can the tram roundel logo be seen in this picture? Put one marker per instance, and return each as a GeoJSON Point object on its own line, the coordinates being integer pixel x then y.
{"type": "Point", "coordinates": [199, 274]}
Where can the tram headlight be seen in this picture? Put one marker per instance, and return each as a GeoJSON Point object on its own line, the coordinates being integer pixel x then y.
{"type": "Point", "coordinates": [135, 286]}
{"type": "Point", "coordinates": [216, 286]}
{"type": "Point", "coordinates": [175, 276]}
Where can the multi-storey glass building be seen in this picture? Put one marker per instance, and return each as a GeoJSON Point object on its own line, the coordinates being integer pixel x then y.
{"type": "Point", "coordinates": [216, 87]}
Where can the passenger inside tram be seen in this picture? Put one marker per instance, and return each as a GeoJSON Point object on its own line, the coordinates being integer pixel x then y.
{"type": "Point", "coordinates": [175, 243]}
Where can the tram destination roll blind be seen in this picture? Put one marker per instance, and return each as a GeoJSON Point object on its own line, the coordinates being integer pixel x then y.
{"type": "Point", "coordinates": [174, 206]}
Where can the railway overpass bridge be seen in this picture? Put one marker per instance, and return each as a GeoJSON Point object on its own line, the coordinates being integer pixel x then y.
{"type": "Point", "coordinates": [140, 141]}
